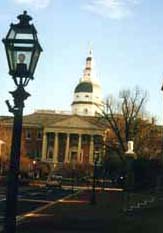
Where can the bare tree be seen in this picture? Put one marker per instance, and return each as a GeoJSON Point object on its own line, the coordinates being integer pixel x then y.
{"type": "Point", "coordinates": [123, 115]}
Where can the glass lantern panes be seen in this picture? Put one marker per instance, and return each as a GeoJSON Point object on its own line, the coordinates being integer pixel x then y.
{"type": "Point", "coordinates": [22, 48]}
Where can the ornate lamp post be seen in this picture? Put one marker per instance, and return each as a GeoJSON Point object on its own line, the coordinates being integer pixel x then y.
{"type": "Point", "coordinates": [23, 51]}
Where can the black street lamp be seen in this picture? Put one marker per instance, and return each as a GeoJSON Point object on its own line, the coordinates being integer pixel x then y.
{"type": "Point", "coordinates": [93, 193]}
{"type": "Point", "coordinates": [23, 51]}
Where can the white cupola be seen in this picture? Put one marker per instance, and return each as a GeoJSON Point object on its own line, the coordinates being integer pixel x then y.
{"type": "Point", "coordinates": [87, 94]}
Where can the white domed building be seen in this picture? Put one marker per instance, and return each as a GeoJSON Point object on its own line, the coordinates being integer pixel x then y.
{"type": "Point", "coordinates": [60, 138]}
{"type": "Point", "coordinates": [87, 95]}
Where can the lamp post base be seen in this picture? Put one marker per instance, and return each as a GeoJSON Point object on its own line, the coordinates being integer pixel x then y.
{"type": "Point", "coordinates": [93, 200]}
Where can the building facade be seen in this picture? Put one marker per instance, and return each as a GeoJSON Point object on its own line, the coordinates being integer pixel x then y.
{"type": "Point", "coordinates": [62, 138]}
{"type": "Point", "coordinates": [72, 139]}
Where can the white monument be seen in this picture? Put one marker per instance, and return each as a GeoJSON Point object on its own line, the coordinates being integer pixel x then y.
{"type": "Point", "coordinates": [130, 151]}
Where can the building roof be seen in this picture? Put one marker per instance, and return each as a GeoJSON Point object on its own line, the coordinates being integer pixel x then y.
{"type": "Point", "coordinates": [84, 87]}
{"type": "Point", "coordinates": [5, 117]}
{"type": "Point", "coordinates": [45, 119]}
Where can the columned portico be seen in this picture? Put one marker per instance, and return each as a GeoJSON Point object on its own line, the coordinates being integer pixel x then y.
{"type": "Point", "coordinates": [74, 138]}
{"type": "Point", "coordinates": [70, 149]}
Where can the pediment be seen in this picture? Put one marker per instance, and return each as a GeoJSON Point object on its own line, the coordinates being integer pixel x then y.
{"type": "Point", "coordinates": [74, 122]}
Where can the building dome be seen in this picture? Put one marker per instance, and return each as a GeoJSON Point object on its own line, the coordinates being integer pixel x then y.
{"type": "Point", "coordinates": [84, 87]}
{"type": "Point", "coordinates": [87, 94]}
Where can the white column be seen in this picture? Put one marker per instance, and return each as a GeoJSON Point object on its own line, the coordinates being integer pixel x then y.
{"type": "Point", "coordinates": [79, 148]}
{"type": "Point", "coordinates": [91, 149]}
{"type": "Point", "coordinates": [82, 156]}
{"type": "Point", "coordinates": [55, 151]}
{"type": "Point", "coordinates": [67, 149]}
{"type": "Point", "coordinates": [44, 147]}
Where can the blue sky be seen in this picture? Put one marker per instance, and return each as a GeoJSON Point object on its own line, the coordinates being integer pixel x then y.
{"type": "Point", "coordinates": [127, 41]}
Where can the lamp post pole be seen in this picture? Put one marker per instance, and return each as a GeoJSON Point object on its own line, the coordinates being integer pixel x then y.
{"type": "Point", "coordinates": [12, 180]}
{"type": "Point", "coordinates": [72, 178]}
{"type": "Point", "coordinates": [22, 50]}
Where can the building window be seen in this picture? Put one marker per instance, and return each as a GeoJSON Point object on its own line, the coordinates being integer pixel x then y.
{"type": "Point", "coordinates": [85, 139]}
{"type": "Point", "coordinates": [39, 134]}
{"type": "Point", "coordinates": [28, 135]}
{"type": "Point", "coordinates": [74, 140]}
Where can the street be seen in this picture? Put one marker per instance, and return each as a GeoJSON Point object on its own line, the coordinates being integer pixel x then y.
{"type": "Point", "coordinates": [32, 198]}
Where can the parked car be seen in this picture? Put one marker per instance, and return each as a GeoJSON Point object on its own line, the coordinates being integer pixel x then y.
{"type": "Point", "coordinates": [54, 180]}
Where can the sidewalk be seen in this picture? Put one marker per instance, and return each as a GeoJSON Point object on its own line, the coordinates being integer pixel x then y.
{"type": "Point", "coordinates": [76, 215]}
